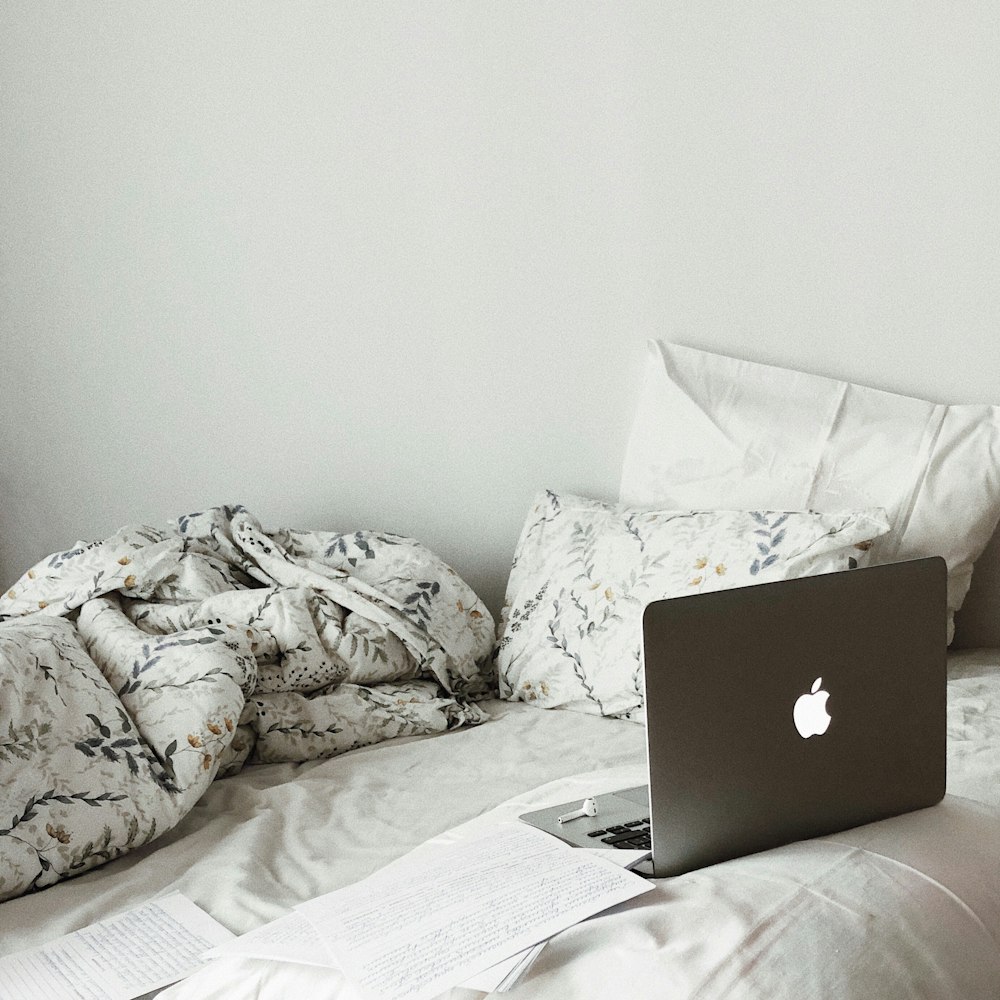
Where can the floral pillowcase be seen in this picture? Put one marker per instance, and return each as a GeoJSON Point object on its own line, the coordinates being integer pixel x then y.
{"type": "Point", "coordinates": [570, 631]}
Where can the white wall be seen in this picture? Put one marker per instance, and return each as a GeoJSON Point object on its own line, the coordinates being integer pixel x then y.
{"type": "Point", "coordinates": [392, 264]}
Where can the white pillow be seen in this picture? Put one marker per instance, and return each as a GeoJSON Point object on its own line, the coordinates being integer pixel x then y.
{"type": "Point", "coordinates": [711, 431]}
{"type": "Point", "coordinates": [570, 630]}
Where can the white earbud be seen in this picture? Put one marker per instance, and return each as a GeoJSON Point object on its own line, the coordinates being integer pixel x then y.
{"type": "Point", "coordinates": [587, 808]}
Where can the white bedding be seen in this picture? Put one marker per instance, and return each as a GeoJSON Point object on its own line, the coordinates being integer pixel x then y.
{"type": "Point", "coordinates": [909, 907]}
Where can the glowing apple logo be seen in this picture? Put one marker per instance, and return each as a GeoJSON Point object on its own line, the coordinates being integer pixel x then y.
{"type": "Point", "coordinates": [810, 715]}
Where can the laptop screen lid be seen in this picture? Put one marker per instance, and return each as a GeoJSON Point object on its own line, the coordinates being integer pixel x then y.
{"type": "Point", "coordinates": [793, 709]}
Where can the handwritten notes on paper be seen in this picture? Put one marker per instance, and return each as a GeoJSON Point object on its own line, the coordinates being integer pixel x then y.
{"type": "Point", "coordinates": [446, 912]}
{"type": "Point", "coordinates": [126, 956]}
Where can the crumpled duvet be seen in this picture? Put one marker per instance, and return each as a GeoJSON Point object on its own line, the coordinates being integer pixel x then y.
{"type": "Point", "coordinates": [135, 670]}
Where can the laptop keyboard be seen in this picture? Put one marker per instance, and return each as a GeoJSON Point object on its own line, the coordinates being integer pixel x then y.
{"type": "Point", "coordinates": [634, 835]}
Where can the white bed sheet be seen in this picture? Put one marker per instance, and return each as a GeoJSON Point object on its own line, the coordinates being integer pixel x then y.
{"type": "Point", "coordinates": [904, 908]}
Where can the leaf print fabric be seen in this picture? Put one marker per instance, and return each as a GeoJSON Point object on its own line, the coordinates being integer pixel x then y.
{"type": "Point", "coordinates": [570, 631]}
{"type": "Point", "coordinates": [139, 668]}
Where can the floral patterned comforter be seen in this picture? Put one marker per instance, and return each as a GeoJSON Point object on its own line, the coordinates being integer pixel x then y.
{"type": "Point", "coordinates": [135, 670]}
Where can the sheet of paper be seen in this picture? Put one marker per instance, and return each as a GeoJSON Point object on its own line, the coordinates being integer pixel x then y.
{"type": "Point", "coordinates": [447, 912]}
{"type": "Point", "coordinates": [142, 949]}
{"type": "Point", "coordinates": [290, 938]}
{"type": "Point", "coordinates": [293, 938]}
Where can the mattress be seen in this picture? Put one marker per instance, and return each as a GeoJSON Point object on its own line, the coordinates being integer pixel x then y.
{"type": "Point", "coordinates": [906, 907]}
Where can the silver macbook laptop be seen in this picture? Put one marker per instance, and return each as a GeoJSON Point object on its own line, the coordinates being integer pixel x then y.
{"type": "Point", "coordinates": [778, 712]}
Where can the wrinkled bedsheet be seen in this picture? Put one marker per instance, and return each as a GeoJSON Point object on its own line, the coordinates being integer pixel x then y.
{"type": "Point", "coordinates": [137, 669]}
{"type": "Point", "coordinates": [905, 908]}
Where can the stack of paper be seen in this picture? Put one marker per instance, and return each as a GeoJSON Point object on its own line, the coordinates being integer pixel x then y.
{"type": "Point", "coordinates": [470, 913]}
